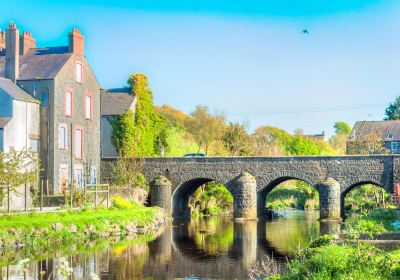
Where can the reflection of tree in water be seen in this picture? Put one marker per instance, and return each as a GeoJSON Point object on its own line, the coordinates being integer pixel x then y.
{"type": "Point", "coordinates": [213, 234]}
{"type": "Point", "coordinates": [287, 235]}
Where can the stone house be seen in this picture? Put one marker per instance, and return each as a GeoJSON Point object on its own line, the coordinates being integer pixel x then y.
{"type": "Point", "coordinates": [384, 133]}
{"type": "Point", "coordinates": [69, 94]}
{"type": "Point", "coordinates": [114, 102]}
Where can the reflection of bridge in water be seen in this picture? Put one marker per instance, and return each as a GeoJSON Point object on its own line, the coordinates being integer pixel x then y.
{"type": "Point", "coordinates": [175, 253]}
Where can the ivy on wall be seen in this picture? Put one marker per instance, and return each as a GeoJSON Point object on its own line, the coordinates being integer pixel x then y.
{"type": "Point", "coordinates": [144, 132]}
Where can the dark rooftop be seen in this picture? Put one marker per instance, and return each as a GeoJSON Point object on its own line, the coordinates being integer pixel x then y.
{"type": "Point", "coordinates": [115, 102]}
{"type": "Point", "coordinates": [388, 130]}
{"type": "Point", "coordinates": [11, 89]}
{"type": "Point", "coordinates": [39, 63]}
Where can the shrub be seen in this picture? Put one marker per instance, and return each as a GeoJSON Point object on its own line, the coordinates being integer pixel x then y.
{"type": "Point", "coordinates": [120, 203]}
{"type": "Point", "coordinates": [322, 241]}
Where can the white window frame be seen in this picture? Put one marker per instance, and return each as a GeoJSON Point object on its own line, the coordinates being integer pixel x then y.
{"type": "Point", "coordinates": [79, 72]}
{"type": "Point", "coordinates": [36, 147]}
{"type": "Point", "coordinates": [63, 167]}
{"type": "Point", "coordinates": [68, 103]}
{"type": "Point", "coordinates": [79, 183]}
{"type": "Point", "coordinates": [88, 110]}
{"type": "Point", "coordinates": [63, 143]}
{"type": "Point", "coordinates": [394, 146]}
{"type": "Point", "coordinates": [78, 153]}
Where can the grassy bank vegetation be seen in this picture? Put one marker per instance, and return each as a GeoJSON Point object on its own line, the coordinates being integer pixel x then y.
{"type": "Point", "coordinates": [42, 232]}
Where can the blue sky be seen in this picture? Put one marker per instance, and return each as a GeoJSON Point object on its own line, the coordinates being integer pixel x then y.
{"type": "Point", "coordinates": [248, 59]}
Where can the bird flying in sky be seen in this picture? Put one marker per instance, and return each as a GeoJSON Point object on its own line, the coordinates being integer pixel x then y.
{"type": "Point", "coordinates": [305, 31]}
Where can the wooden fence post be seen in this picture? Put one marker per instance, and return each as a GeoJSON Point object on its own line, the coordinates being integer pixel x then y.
{"type": "Point", "coordinates": [41, 195]}
{"type": "Point", "coordinates": [95, 195]}
{"type": "Point", "coordinates": [26, 197]}
{"type": "Point", "coordinates": [108, 196]}
{"type": "Point", "coordinates": [8, 199]}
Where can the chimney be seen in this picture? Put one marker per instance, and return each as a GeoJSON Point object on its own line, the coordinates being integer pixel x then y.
{"type": "Point", "coordinates": [76, 42]}
{"type": "Point", "coordinates": [26, 42]}
{"type": "Point", "coordinates": [2, 40]}
{"type": "Point", "coordinates": [12, 52]}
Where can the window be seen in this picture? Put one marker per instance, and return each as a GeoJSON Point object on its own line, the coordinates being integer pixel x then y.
{"type": "Point", "coordinates": [79, 72]}
{"type": "Point", "coordinates": [62, 136]}
{"type": "Point", "coordinates": [393, 146]}
{"type": "Point", "coordinates": [34, 145]}
{"type": "Point", "coordinates": [79, 176]}
{"type": "Point", "coordinates": [93, 175]}
{"type": "Point", "coordinates": [44, 97]}
{"type": "Point", "coordinates": [1, 140]}
{"type": "Point", "coordinates": [68, 103]}
{"type": "Point", "coordinates": [88, 106]}
{"type": "Point", "coordinates": [63, 177]}
{"type": "Point", "coordinates": [78, 143]}
{"type": "Point", "coordinates": [389, 136]}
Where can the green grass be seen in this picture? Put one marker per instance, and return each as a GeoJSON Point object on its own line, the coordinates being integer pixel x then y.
{"type": "Point", "coordinates": [359, 262]}
{"type": "Point", "coordinates": [36, 232]}
{"type": "Point", "coordinates": [141, 215]}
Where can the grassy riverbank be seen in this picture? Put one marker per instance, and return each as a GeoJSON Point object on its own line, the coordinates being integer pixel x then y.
{"type": "Point", "coordinates": [36, 233]}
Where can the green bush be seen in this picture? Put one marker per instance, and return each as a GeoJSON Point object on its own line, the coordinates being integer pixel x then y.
{"type": "Point", "coordinates": [120, 203]}
{"type": "Point", "coordinates": [322, 241]}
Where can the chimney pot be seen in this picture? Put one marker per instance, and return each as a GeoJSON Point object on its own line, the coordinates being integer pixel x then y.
{"type": "Point", "coordinates": [26, 42]}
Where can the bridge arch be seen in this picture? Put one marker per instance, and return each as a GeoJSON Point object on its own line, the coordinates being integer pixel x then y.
{"type": "Point", "coordinates": [180, 196]}
{"type": "Point", "coordinates": [352, 187]}
{"type": "Point", "coordinates": [271, 185]}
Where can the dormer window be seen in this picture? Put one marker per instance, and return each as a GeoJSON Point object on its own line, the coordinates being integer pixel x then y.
{"type": "Point", "coordinates": [79, 72]}
{"type": "Point", "coordinates": [389, 136]}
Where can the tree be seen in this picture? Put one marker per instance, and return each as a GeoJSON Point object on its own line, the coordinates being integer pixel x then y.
{"type": "Point", "coordinates": [339, 140]}
{"type": "Point", "coordinates": [236, 140]}
{"type": "Point", "coordinates": [392, 112]}
{"type": "Point", "coordinates": [125, 135]}
{"type": "Point", "coordinates": [342, 128]}
{"type": "Point", "coordinates": [18, 168]}
{"type": "Point", "coordinates": [370, 145]}
{"type": "Point", "coordinates": [206, 127]}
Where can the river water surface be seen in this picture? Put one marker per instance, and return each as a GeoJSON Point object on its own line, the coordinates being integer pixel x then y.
{"type": "Point", "coordinates": [203, 248]}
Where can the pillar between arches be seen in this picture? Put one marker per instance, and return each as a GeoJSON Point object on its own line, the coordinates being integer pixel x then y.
{"type": "Point", "coordinates": [245, 197]}
{"type": "Point", "coordinates": [329, 200]}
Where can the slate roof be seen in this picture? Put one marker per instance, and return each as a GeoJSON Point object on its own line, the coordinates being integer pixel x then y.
{"type": "Point", "coordinates": [11, 89]}
{"type": "Point", "coordinates": [4, 121]}
{"type": "Point", "coordinates": [389, 130]}
{"type": "Point", "coordinates": [115, 102]}
{"type": "Point", "coordinates": [40, 63]}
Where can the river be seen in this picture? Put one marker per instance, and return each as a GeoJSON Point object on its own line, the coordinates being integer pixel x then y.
{"type": "Point", "coordinates": [203, 248]}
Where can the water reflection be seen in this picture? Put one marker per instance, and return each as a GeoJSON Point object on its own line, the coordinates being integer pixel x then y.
{"type": "Point", "coordinates": [209, 248]}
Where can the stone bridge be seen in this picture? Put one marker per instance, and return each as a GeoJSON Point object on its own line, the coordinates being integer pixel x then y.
{"type": "Point", "coordinates": [250, 179]}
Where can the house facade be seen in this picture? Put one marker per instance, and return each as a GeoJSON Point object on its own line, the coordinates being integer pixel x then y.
{"type": "Point", "coordinates": [69, 94]}
{"type": "Point", "coordinates": [385, 134]}
{"type": "Point", "coordinates": [114, 102]}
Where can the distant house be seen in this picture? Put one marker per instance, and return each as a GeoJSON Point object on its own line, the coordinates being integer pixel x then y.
{"type": "Point", "coordinates": [114, 102]}
{"type": "Point", "coordinates": [384, 133]}
{"type": "Point", "coordinates": [319, 136]}
{"type": "Point", "coordinates": [69, 94]}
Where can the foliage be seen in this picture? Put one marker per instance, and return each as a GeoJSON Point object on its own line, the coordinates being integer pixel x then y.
{"type": "Point", "coordinates": [124, 134]}
{"type": "Point", "coordinates": [78, 197]}
{"type": "Point", "coordinates": [18, 168]}
{"type": "Point", "coordinates": [236, 140]}
{"type": "Point", "coordinates": [144, 132]}
{"type": "Point", "coordinates": [120, 203]}
{"type": "Point", "coordinates": [211, 198]}
{"type": "Point", "coordinates": [365, 198]}
{"type": "Point", "coordinates": [338, 143]}
{"type": "Point", "coordinates": [179, 142]}
{"type": "Point", "coordinates": [175, 117]}
{"type": "Point", "coordinates": [377, 221]}
{"type": "Point", "coordinates": [206, 127]}
{"type": "Point", "coordinates": [372, 144]}
{"type": "Point", "coordinates": [392, 112]}
{"type": "Point", "coordinates": [342, 128]}
{"type": "Point", "coordinates": [343, 262]}
{"type": "Point", "coordinates": [323, 241]}
{"type": "Point", "coordinates": [293, 195]}
{"type": "Point", "coordinates": [127, 172]}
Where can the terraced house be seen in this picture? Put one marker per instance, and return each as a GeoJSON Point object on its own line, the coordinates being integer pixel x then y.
{"type": "Point", "coordinates": [69, 94]}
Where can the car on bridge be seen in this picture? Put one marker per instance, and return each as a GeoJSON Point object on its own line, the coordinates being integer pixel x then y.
{"type": "Point", "coordinates": [195, 155]}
